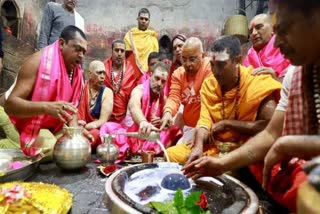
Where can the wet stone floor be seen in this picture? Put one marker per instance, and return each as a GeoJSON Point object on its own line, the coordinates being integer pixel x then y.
{"type": "Point", "coordinates": [88, 188]}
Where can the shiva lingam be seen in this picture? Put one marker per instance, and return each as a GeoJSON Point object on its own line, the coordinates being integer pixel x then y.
{"type": "Point", "coordinates": [108, 152]}
{"type": "Point", "coordinates": [72, 150]}
{"type": "Point", "coordinates": [131, 188]}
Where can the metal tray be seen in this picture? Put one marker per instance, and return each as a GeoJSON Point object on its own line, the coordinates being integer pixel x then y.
{"type": "Point", "coordinates": [22, 173]}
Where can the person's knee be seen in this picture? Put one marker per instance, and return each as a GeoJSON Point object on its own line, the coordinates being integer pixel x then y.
{"type": "Point", "coordinates": [178, 154]}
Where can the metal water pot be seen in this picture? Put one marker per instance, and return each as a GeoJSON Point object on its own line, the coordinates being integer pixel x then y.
{"type": "Point", "coordinates": [107, 152]}
{"type": "Point", "coordinates": [72, 150]}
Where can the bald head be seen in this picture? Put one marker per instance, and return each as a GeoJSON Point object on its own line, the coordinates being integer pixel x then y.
{"type": "Point", "coordinates": [97, 74]}
{"type": "Point", "coordinates": [192, 55]}
{"type": "Point", "coordinates": [96, 65]}
{"type": "Point", "coordinates": [263, 17]}
{"type": "Point", "coordinates": [261, 30]}
{"type": "Point", "coordinates": [193, 43]}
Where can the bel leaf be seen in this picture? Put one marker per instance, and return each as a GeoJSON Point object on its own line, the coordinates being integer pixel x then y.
{"type": "Point", "coordinates": [178, 199]}
{"type": "Point", "coordinates": [192, 199]}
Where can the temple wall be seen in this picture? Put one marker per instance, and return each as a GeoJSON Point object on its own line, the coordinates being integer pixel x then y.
{"type": "Point", "coordinates": [107, 20]}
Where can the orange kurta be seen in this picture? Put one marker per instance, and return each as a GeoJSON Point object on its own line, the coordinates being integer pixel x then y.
{"type": "Point", "coordinates": [186, 90]}
{"type": "Point", "coordinates": [253, 90]}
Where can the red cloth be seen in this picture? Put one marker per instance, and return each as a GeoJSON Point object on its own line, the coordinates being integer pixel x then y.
{"type": "Point", "coordinates": [137, 72]}
{"type": "Point", "coordinates": [52, 84]}
{"type": "Point", "coordinates": [83, 109]}
{"type": "Point", "coordinates": [284, 183]}
{"type": "Point", "coordinates": [84, 114]}
{"type": "Point", "coordinates": [96, 136]}
{"type": "Point", "coordinates": [121, 99]}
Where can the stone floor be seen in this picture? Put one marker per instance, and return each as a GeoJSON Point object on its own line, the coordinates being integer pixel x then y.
{"type": "Point", "coordinates": [87, 187]}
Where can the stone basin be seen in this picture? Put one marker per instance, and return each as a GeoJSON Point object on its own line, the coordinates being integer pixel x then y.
{"type": "Point", "coordinates": [130, 188]}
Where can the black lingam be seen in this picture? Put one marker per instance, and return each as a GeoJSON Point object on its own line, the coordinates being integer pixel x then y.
{"type": "Point", "coordinates": [175, 181]}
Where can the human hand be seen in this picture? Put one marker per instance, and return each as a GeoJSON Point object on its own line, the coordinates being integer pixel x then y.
{"type": "Point", "coordinates": [204, 166]}
{"type": "Point", "coordinates": [145, 128]}
{"type": "Point", "coordinates": [82, 123]}
{"type": "Point", "coordinates": [62, 110]}
{"type": "Point", "coordinates": [91, 125]}
{"type": "Point", "coordinates": [156, 121]}
{"type": "Point", "coordinates": [195, 154]}
{"type": "Point", "coordinates": [220, 126]}
{"type": "Point", "coordinates": [276, 154]}
{"type": "Point", "coordinates": [166, 121]}
{"type": "Point", "coordinates": [87, 135]}
{"type": "Point", "coordinates": [264, 70]}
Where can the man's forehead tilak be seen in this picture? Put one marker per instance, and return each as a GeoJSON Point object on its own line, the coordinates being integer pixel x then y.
{"type": "Point", "coordinates": [220, 56]}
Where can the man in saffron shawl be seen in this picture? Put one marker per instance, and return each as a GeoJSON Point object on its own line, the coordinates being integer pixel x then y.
{"type": "Point", "coordinates": [47, 91]}
{"type": "Point", "coordinates": [146, 104]}
{"type": "Point", "coordinates": [140, 42]}
{"type": "Point", "coordinates": [234, 105]}
{"type": "Point", "coordinates": [293, 133]}
{"type": "Point", "coordinates": [96, 104]}
{"type": "Point", "coordinates": [263, 55]}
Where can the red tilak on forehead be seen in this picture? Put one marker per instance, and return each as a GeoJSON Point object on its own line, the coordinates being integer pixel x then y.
{"type": "Point", "coordinates": [163, 76]}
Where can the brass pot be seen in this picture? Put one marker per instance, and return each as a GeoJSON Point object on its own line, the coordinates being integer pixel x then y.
{"type": "Point", "coordinates": [107, 152]}
{"type": "Point", "coordinates": [72, 150]}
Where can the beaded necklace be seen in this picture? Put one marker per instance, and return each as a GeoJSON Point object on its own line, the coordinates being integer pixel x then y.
{"type": "Point", "coordinates": [71, 76]}
{"type": "Point", "coordinates": [312, 94]}
{"type": "Point", "coordinates": [116, 85]}
{"type": "Point", "coordinates": [236, 105]}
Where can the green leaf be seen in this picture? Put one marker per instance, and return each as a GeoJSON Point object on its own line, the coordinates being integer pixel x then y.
{"type": "Point", "coordinates": [178, 199]}
{"type": "Point", "coordinates": [173, 210]}
{"type": "Point", "coordinates": [193, 210]}
{"type": "Point", "coordinates": [192, 199]}
{"type": "Point", "coordinates": [162, 207]}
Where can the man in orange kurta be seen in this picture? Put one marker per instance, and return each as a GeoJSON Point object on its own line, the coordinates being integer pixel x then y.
{"type": "Point", "coordinates": [234, 105]}
{"type": "Point", "coordinates": [185, 85]}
